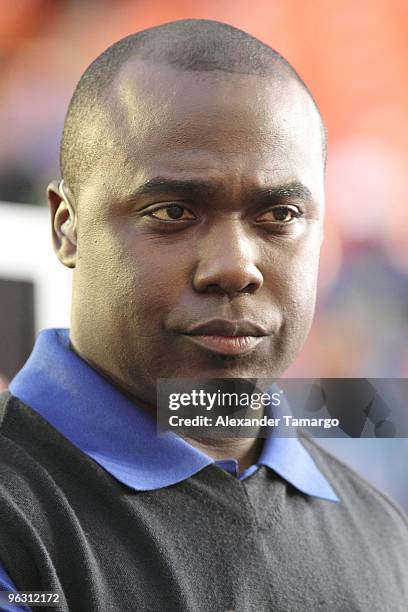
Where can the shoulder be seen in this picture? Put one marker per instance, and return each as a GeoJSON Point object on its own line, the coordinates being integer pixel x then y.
{"type": "Point", "coordinates": [11, 408]}
{"type": "Point", "coordinates": [15, 418]}
{"type": "Point", "coordinates": [24, 438]}
{"type": "Point", "coordinates": [5, 399]}
{"type": "Point", "coordinates": [357, 496]}
{"type": "Point", "coordinates": [15, 461]}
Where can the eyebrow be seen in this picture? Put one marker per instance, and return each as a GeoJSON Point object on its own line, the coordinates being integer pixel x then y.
{"type": "Point", "coordinates": [197, 187]}
{"type": "Point", "coordinates": [293, 189]}
{"type": "Point", "coordinates": [165, 185]}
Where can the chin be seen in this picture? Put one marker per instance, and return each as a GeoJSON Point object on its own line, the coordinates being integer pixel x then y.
{"type": "Point", "coordinates": [239, 366]}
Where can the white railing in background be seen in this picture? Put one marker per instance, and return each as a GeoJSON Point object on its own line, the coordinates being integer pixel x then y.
{"type": "Point", "coordinates": [26, 253]}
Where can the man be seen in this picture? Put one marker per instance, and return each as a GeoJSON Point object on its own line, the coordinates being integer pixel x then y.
{"type": "Point", "coordinates": [191, 211]}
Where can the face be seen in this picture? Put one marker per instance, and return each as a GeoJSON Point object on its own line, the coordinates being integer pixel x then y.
{"type": "Point", "coordinates": [197, 236]}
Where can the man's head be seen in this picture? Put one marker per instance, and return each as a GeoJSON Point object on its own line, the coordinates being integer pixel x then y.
{"type": "Point", "coordinates": [193, 164]}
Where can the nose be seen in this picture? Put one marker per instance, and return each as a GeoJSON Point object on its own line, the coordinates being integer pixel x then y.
{"type": "Point", "coordinates": [227, 261]}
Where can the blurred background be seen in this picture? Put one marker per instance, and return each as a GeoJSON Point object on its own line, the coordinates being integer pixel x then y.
{"type": "Point", "coordinates": [354, 58]}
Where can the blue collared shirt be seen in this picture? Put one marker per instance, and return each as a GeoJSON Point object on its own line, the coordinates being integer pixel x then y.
{"type": "Point", "coordinates": [101, 421]}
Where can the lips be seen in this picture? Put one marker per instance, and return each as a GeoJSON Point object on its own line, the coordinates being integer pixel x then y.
{"type": "Point", "coordinates": [227, 337]}
{"type": "Point", "coordinates": [223, 327]}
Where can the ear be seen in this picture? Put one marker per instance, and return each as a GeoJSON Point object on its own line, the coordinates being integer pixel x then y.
{"type": "Point", "coordinates": [63, 223]}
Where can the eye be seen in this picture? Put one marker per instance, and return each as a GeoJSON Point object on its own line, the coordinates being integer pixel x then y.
{"type": "Point", "coordinates": [172, 212]}
{"type": "Point", "coordinates": [280, 215]}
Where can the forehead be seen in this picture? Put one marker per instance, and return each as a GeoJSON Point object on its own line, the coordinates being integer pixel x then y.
{"type": "Point", "coordinates": [164, 121]}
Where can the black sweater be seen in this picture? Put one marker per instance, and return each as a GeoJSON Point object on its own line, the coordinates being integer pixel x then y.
{"type": "Point", "coordinates": [208, 544]}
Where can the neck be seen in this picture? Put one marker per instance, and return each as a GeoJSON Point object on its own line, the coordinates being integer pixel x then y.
{"type": "Point", "coordinates": [245, 450]}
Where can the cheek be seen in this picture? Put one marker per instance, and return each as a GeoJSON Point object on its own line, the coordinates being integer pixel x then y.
{"type": "Point", "coordinates": [148, 279]}
{"type": "Point", "coordinates": [292, 268]}
{"type": "Point", "coordinates": [292, 283]}
{"type": "Point", "coordinates": [301, 305]}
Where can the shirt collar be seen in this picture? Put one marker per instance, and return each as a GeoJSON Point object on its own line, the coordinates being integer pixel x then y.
{"type": "Point", "coordinates": [102, 422]}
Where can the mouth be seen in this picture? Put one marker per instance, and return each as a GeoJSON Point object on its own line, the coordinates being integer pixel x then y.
{"type": "Point", "coordinates": [227, 337]}
{"type": "Point", "coordinates": [226, 345]}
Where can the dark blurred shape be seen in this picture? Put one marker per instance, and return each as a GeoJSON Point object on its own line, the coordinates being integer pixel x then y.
{"type": "Point", "coordinates": [16, 325]}
{"type": "Point", "coordinates": [16, 186]}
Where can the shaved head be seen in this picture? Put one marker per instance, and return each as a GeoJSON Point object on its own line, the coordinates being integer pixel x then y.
{"type": "Point", "coordinates": [194, 45]}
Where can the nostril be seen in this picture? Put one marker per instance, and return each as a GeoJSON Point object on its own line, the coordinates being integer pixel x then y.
{"type": "Point", "coordinates": [228, 277]}
{"type": "Point", "coordinates": [214, 288]}
{"type": "Point", "coordinates": [250, 288]}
